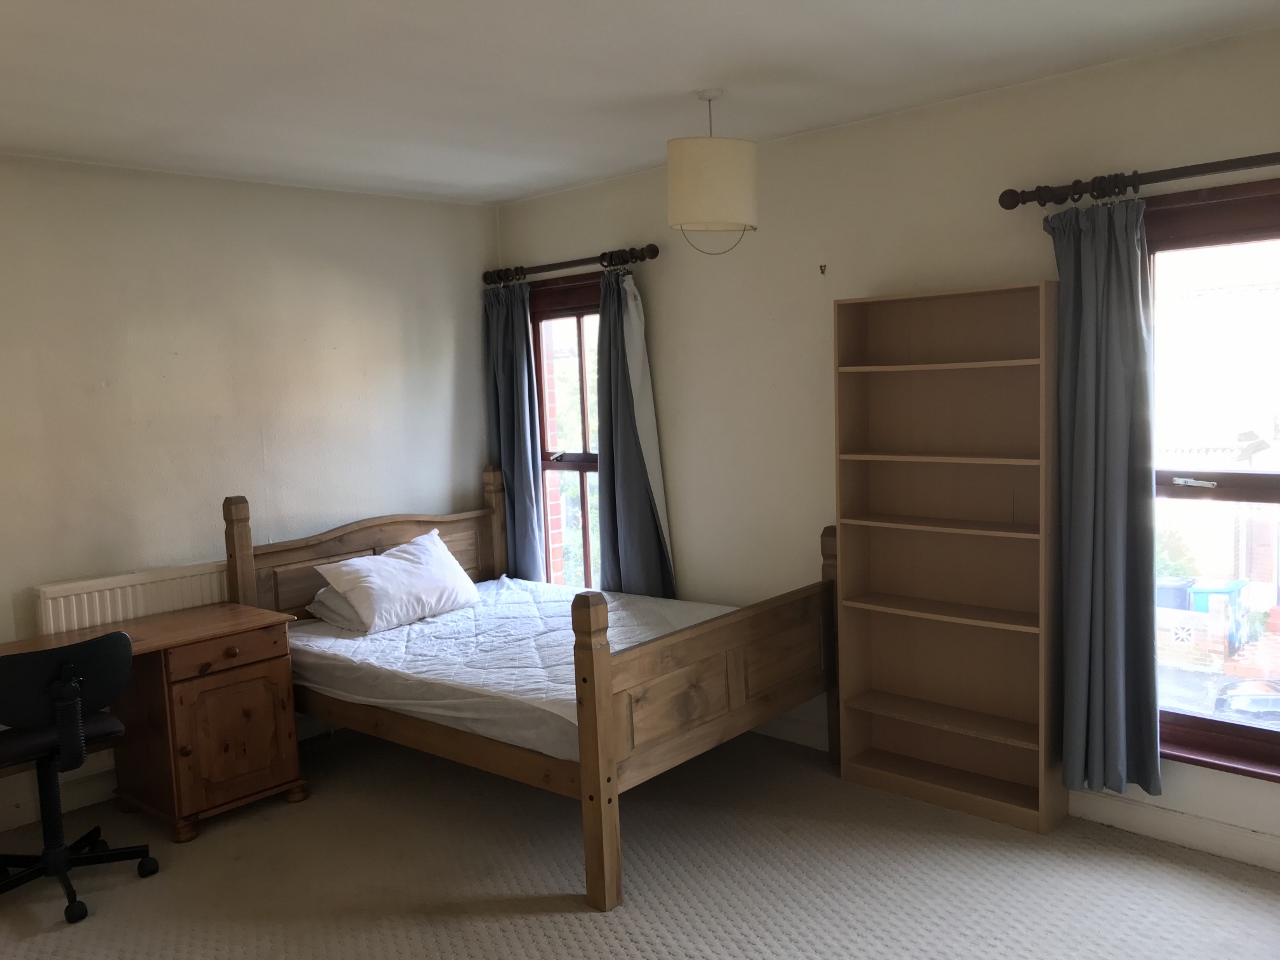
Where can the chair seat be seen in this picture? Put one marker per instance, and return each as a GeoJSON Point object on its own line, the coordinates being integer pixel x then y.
{"type": "Point", "coordinates": [24, 746]}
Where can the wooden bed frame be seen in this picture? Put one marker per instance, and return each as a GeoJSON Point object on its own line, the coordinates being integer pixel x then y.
{"type": "Point", "coordinates": [641, 711]}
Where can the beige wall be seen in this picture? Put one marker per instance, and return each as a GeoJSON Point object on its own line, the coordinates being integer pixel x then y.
{"type": "Point", "coordinates": [741, 345]}
{"type": "Point", "coordinates": [167, 341]}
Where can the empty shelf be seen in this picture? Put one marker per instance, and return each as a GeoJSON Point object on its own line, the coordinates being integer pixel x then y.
{"type": "Point", "coordinates": [921, 367]}
{"type": "Point", "coordinates": [981, 528]}
{"type": "Point", "coordinates": [944, 458]}
{"type": "Point", "coordinates": [1017, 620]}
{"type": "Point", "coordinates": [985, 726]}
{"type": "Point", "coordinates": [960, 789]}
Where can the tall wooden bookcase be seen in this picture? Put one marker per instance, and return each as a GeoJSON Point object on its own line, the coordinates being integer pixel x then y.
{"type": "Point", "coordinates": [947, 584]}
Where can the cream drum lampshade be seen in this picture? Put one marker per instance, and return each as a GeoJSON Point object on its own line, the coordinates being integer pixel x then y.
{"type": "Point", "coordinates": [711, 184]}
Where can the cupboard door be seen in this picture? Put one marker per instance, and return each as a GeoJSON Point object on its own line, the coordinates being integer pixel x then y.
{"type": "Point", "coordinates": [234, 734]}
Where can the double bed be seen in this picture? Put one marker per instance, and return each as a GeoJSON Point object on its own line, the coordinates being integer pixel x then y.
{"type": "Point", "coordinates": [585, 695]}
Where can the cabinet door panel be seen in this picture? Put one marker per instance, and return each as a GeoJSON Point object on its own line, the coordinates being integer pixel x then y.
{"type": "Point", "coordinates": [234, 734]}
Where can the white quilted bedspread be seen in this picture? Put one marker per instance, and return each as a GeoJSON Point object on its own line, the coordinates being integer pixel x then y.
{"type": "Point", "coordinates": [502, 669]}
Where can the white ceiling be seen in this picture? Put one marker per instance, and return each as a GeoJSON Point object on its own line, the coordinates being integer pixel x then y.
{"type": "Point", "coordinates": [496, 99]}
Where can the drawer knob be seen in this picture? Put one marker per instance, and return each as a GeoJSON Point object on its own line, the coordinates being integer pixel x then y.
{"type": "Point", "coordinates": [184, 751]}
{"type": "Point", "coordinates": [232, 652]}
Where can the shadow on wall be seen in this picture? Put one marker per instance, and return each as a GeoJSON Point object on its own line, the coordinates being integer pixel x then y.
{"type": "Point", "coordinates": [24, 611]}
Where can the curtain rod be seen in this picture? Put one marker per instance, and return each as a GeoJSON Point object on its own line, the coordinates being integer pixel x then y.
{"type": "Point", "coordinates": [1118, 184]}
{"type": "Point", "coordinates": [610, 258]}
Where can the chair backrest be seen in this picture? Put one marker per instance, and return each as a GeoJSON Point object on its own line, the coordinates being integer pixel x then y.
{"type": "Point", "coordinates": [102, 665]}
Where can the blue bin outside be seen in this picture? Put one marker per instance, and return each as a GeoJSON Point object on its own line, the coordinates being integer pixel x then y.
{"type": "Point", "coordinates": [1200, 592]}
{"type": "Point", "coordinates": [1174, 593]}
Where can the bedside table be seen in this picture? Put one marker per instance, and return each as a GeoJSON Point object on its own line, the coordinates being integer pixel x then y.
{"type": "Point", "coordinates": [208, 715]}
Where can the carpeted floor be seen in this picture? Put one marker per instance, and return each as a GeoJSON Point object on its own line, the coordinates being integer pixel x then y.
{"type": "Point", "coordinates": [755, 850]}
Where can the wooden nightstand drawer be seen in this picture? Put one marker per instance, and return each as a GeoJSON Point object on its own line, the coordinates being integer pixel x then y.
{"type": "Point", "coordinates": [225, 653]}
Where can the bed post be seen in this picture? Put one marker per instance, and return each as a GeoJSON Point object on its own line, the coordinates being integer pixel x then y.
{"type": "Point", "coordinates": [830, 652]}
{"type": "Point", "coordinates": [496, 501]}
{"type": "Point", "coordinates": [242, 579]}
{"type": "Point", "coordinates": [597, 771]}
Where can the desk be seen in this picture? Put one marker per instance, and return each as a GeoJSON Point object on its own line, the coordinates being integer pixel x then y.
{"type": "Point", "coordinates": [209, 712]}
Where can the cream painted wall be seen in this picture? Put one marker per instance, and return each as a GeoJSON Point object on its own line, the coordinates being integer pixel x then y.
{"type": "Point", "coordinates": [166, 341]}
{"type": "Point", "coordinates": [740, 345]}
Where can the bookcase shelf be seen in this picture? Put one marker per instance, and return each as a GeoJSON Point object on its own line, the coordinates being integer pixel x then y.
{"type": "Point", "coordinates": [976, 528]}
{"type": "Point", "coordinates": [971, 723]}
{"type": "Point", "coordinates": [943, 458]}
{"type": "Point", "coordinates": [975, 793]}
{"type": "Point", "coordinates": [947, 551]}
{"type": "Point", "coordinates": [992, 617]}
{"type": "Point", "coordinates": [925, 367]}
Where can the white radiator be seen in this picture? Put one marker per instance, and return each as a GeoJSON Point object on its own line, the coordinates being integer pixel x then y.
{"type": "Point", "coordinates": [91, 603]}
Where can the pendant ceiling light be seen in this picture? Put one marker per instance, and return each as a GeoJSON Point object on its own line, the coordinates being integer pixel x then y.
{"type": "Point", "coordinates": [711, 183]}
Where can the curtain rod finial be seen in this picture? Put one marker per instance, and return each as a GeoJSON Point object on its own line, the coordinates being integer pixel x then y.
{"type": "Point", "coordinates": [1010, 199]}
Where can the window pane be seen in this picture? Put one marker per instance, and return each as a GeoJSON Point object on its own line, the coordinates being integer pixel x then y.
{"type": "Point", "coordinates": [564, 527]}
{"type": "Point", "coordinates": [591, 344]}
{"type": "Point", "coordinates": [561, 386]}
{"type": "Point", "coordinates": [1217, 336]}
{"type": "Point", "coordinates": [593, 525]}
{"type": "Point", "coordinates": [1217, 617]}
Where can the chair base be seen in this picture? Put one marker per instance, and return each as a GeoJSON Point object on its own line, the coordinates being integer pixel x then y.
{"type": "Point", "coordinates": [88, 851]}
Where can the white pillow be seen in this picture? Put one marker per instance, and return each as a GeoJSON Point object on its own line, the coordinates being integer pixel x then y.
{"type": "Point", "coordinates": [332, 607]}
{"type": "Point", "coordinates": [415, 580]}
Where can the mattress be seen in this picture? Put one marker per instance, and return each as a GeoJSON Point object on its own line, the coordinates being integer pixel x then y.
{"type": "Point", "coordinates": [502, 668]}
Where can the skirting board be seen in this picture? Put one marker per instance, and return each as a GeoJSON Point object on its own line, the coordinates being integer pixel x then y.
{"type": "Point", "coordinates": [1175, 826]}
{"type": "Point", "coordinates": [1191, 830]}
{"type": "Point", "coordinates": [93, 783]}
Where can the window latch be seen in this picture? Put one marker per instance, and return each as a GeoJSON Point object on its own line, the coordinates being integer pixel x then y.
{"type": "Point", "coordinates": [557, 456]}
{"type": "Point", "coordinates": [1192, 482]}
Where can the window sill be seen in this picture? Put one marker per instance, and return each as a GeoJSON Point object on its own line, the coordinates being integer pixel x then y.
{"type": "Point", "coordinates": [1230, 747]}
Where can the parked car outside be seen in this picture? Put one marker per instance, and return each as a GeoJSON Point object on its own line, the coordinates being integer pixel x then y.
{"type": "Point", "coordinates": [1254, 701]}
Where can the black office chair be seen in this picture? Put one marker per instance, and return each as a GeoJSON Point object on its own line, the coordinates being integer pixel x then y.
{"type": "Point", "coordinates": [54, 703]}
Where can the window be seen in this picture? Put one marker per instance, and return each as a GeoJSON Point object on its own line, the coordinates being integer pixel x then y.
{"type": "Point", "coordinates": [566, 322]}
{"type": "Point", "coordinates": [1216, 425]}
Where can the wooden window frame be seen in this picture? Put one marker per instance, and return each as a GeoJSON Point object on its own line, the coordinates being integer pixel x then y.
{"type": "Point", "coordinates": [556, 299]}
{"type": "Point", "coordinates": [1238, 213]}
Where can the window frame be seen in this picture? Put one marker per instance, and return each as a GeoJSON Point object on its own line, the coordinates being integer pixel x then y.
{"type": "Point", "coordinates": [1237, 213]}
{"type": "Point", "coordinates": [559, 298]}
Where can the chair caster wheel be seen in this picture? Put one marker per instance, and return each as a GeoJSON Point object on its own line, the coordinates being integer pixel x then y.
{"type": "Point", "coordinates": [100, 846]}
{"type": "Point", "coordinates": [148, 866]}
{"type": "Point", "coordinates": [76, 911]}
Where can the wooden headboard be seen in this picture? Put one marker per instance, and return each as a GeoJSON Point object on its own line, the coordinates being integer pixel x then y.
{"type": "Point", "coordinates": [282, 576]}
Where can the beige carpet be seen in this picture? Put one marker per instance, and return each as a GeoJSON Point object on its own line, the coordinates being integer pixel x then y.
{"type": "Point", "coordinates": [753, 851]}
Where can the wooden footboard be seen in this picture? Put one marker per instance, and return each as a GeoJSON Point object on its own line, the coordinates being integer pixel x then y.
{"type": "Point", "coordinates": [648, 708]}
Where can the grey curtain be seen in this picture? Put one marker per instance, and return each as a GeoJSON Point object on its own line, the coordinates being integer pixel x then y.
{"type": "Point", "coordinates": [634, 553]}
{"type": "Point", "coordinates": [514, 441]}
{"type": "Point", "coordinates": [1111, 732]}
